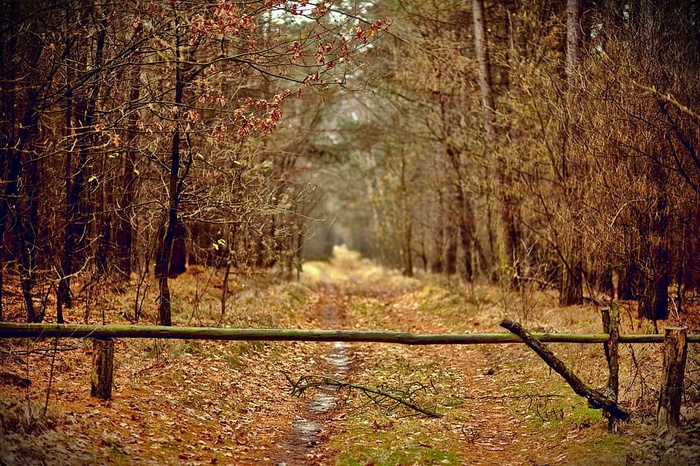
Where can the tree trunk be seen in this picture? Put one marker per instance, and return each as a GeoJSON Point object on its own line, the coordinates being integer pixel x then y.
{"type": "Point", "coordinates": [653, 300]}
{"type": "Point", "coordinates": [611, 326]}
{"type": "Point", "coordinates": [9, 163]}
{"type": "Point", "coordinates": [508, 215]}
{"type": "Point", "coordinates": [482, 57]}
{"type": "Point", "coordinates": [125, 223]}
{"type": "Point", "coordinates": [63, 295]}
{"type": "Point", "coordinates": [437, 264]}
{"type": "Point", "coordinates": [629, 281]}
{"type": "Point", "coordinates": [573, 38]}
{"type": "Point", "coordinates": [675, 355]}
{"type": "Point", "coordinates": [168, 236]}
{"type": "Point", "coordinates": [571, 292]}
{"type": "Point", "coordinates": [102, 368]}
{"type": "Point", "coordinates": [17, 132]}
{"type": "Point", "coordinates": [465, 214]}
{"type": "Point", "coordinates": [407, 252]}
{"type": "Point", "coordinates": [171, 215]}
{"type": "Point", "coordinates": [450, 250]}
{"type": "Point", "coordinates": [27, 212]}
{"type": "Point", "coordinates": [406, 224]}
{"type": "Point", "coordinates": [75, 220]}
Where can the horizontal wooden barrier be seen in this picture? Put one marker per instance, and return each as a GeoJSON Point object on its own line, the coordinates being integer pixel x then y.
{"type": "Point", "coordinates": [14, 330]}
{"type": "Point", "coordinates": [103, 337]}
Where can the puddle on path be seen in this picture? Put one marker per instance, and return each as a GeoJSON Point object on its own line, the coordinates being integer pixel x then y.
{"type": "Point", "coordinates": [309, 429]}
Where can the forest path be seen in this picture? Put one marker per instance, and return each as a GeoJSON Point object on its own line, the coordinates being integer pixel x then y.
{"type": "Point", "coordinates": [319, 414]}
{"type": "Point", "coordinates": [485, 431]}
{"type": "Point", "coordinates": [211, 402]}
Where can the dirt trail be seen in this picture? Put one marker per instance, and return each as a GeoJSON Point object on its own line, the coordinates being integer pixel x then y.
{"type": "Point", "coordinates": [319, 415]}
{"type": "Point", "coordinates": [496, 435]}
{"type": "Point", "coordinates": [188, 406]}
{"type": "Point", "coordinates": [490, 436]}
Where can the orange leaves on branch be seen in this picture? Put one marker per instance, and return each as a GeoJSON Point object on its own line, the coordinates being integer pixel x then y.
{"type": "Point", "coordinates": [298, 8]}
{"type": "Point", "coordinates": [192, 116]}
{"type": "Point", "coordinates": [296, 50]}
{"type": "Point", "coordinates": [319, 10]}
{"type": "Point", "coordinates": [321, 50]}
{"type": "Point", "coordinates": [259, 116]}
{"type": "Point", "coordinates": [312, 78]}
{"type": "Point", "coordinates": [224, 29]}
{"type": "Point", "coordinates": [227, 19]}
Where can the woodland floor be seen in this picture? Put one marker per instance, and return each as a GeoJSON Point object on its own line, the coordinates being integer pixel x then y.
{"type": "Point", "coordinates": [199, 402]}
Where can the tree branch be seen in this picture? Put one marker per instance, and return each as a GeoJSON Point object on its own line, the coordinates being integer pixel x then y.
{"type": "Point", "coordinates": [596, 399]}
{"type": "Point", "coordinates": [375, 394]}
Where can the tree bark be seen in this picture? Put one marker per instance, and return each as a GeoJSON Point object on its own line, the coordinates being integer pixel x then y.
{"type": "Point", "coordinates": [19, 207]}
{"type": "Point", "coordinates": [675, 354]}
{"type": "Point", "coordinates": [571, 292]}
{"type": "Point", "coordinates": [482, 57]}
{"type": "Point", "coordinates": [27, 212]}
{"type": "Point", "coordinates": [174, 186]}
{"type": "Point", "coordinates": [653, 302]}
{"type": "Point", "coordinates": [508, 211]}
{"type": "Point", "coordinates": [102, 368]}
{"type": "Point", "coordinates": [75, 220]}
{"type": "Point", "coordinates": [407, 225]}
{"type": "Point", "coordinates": [125, 223]}
{"type": "Point", "coordinates": [573, 38]}
{"type": "Point", "coordinates": [465, 214]}
{"type": "Point", "coordinates": [9, 166]}
{"type": "Point", "coordinates": [611, 325]}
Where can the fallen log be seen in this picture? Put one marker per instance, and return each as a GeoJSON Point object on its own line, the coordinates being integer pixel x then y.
{"type": "Point", "coordinates": [596, 399]}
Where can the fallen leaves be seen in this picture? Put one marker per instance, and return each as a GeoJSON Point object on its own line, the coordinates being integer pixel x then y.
{"type": "Point", "coordinates": [204, 402]}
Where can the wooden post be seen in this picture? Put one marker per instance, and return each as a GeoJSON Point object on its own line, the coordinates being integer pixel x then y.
{"type": "Point", "coordinates": [102, 368]}
{"type": "Point", "coordinates": [675, 353]}
{"type": "Point", "coordinates": [611, 326]}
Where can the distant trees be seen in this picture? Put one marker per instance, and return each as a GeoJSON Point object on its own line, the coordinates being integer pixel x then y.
{"type": "Point", "coordinates": [518, 142]}
{"type": "Point", "coordinates": [133, 137]}
{"type": "Point", "coordinates": [553, 144]}
{"type": "Point", "coordinates": [642, 149]}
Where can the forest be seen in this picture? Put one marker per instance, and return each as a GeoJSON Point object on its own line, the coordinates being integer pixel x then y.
{"type": "Point", "coordinates": [322, 163]}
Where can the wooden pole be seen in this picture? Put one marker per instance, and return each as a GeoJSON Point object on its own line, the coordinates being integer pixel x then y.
{"type": "Point", "coordinates": [611, 325]}
{"type": "Point", "coordinates": [675, 353]}
{"type": "Point", "coordinates": [14, 330]}
{"type": "Point", "coordinates": [102, 368]}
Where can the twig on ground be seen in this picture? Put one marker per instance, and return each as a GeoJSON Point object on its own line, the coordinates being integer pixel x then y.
{"type": "Point", "coordinates": [376, 395]}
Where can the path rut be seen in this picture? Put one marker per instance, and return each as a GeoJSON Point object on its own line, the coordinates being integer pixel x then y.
{"type": "Point", "coordinates": [318, 412]}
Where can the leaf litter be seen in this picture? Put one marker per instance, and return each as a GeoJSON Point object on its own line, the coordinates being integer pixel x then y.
{"type": "Point", "coordinates": [200, 402]}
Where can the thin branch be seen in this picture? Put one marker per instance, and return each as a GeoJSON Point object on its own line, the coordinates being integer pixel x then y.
{"type": "Point", "coordinates": [374, 394]}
